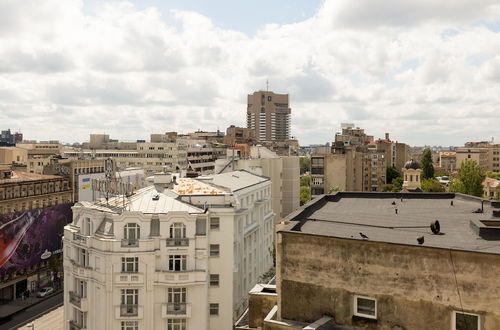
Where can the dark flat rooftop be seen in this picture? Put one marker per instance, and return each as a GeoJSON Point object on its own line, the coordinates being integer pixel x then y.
{"type": "Point", "coordinates": [346, 215]}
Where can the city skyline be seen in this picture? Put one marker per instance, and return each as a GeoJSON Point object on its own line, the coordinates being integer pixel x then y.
{"type": "Point", "coordinates": [425, 72]}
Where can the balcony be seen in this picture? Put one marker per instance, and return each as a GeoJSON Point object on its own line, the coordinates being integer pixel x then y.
{"type": "Point", "coordinates": [129, 310]}
{"type": "Point", "coordinates": [177, 242]}
{"type": "Point", "coordinates": [175, 310]}
{"type": "Point", "coordinates": [167, 277]}
{"type": "Point", "coordinates": [73, 325]}
{"type": "Point", "coordinates": [131, 242]}
{"type": "Point", "coordinates": [75, 299]}
{"type": "Point", "coordinates": [79, 238]}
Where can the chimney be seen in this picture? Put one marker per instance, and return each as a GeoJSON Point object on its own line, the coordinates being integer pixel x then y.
{"type": "Point", "coordinates": [387, 136]}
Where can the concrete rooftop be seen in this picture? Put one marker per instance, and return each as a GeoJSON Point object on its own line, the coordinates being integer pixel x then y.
{"type": "Point", "coordinates": [346, 215]}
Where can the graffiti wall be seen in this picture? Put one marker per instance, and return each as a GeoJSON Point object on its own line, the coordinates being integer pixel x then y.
{"type": "Point", "coordinates": [27, 238]}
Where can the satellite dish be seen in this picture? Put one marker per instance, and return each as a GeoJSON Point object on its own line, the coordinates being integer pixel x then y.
{"type": "Point", "coordinates": [435, 227]}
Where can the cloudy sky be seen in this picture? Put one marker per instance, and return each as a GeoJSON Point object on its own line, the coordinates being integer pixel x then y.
{"type": "Point", "coordinates": [426, 71]}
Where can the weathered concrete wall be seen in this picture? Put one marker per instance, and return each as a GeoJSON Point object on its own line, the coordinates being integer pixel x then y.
{"type": "Point", "coordinates": [415, 287]}
{"type": "Point", "coordinates": [259, 305]}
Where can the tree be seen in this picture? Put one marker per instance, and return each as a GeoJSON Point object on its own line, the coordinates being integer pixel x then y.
{"type": "Point", "coordinates": [432, 185]}
{"type": "Point", "coordinates": [439, 171]}
{"type": "Point", "coordinates": [426, 164]}
{"type": "Point", "coordinates": [305, 164]}
{"type": "Point", "coordinates": [305, 181]}
{"type": "Point", "coordinates": [305, 195]}
{"type": "Point", "coordinates": [397, 184]}
{"type": "Point", "coordinates": [333, 189]}
{"type": "Point", "coordinates": [493, 175]}
{"type": "Point", "coordinates": [469, 179]}
{"type": "Point", "coordinates": [391, 173]}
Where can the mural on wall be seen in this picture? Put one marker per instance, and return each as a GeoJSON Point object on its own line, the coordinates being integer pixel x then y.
{"type": "Point", "coordinates": [29, 237]}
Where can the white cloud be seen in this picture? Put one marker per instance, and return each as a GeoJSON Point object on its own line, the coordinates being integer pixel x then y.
{"type": "Point", "coordinates": [427, 71]}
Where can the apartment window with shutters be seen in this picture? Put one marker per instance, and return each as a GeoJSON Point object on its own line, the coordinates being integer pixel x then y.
{"type": "Point", "coordinates": [214, 223]}
{"type": "Point", "coordinates": [214, 250]}
{"type": "Point", "coordinates": [214, 309]}
{"type": "Point", "coordinates": [214, 280]}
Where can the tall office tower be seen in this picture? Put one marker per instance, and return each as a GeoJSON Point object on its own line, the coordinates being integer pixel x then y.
{"type": "Point", "coordinates": [268, 114]}
{"type": "Point", "coordinates": [178, 255]}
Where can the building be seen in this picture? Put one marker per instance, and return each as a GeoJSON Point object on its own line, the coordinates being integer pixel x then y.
{"type": "Point", "coordinates": [480, 155]}
{"type": "Point", "coordinates": [268, 115]}
{"type": "Point", "coordinates": [181, 254]}
{"type": "Point", "coordinates": [491, 188]}
{"type": "Point", "coordinates": [412, 174]}
{"type": "Point", "coordinates": [33, 211]}
{"type": "Point", "coordinates": [354, 162]}
{"type": "Point", "coordinates": [396, 153]}
{"type": "Point", "coordinates": [40, 154]}
{"type": "Point", "coordinates": [239, 135]}
{"type": "Point", "coordinates": [448, 160]}
{"type": "Point", "coordinates": [283, 171]}
{"type": "Point", "coordinates": [350, 261]}
{"type": "Point", "coordinates": [7, 138]}
{"type": "Point", "coordinates": [76, 170]}
{"type": "Point", "coordinates": [13, 155]}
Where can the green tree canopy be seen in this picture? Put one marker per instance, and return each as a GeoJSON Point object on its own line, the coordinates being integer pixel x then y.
{"type": "Point", "coordinates": [305, 164]}
{"type": "Point", "coordinates": [391, 173]}
{"type": "Point", "coordinates": [469, 179]}
{"type": "Point", "coordinates": [397, 184]}
{"type": "Point", "coordinates": [305, 181]}
{"type": "Point", "coordinates": [305, 195]}
{"type": "Point", "coordinates": [333, 189]}
{"type": "Point", "coordinates": [432, 185]}
{"type": "Point", "coordinates": [426, 164]}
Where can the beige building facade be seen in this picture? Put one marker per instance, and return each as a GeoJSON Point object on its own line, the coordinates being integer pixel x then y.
{"type": "Point", "coordinates": [13, 155]}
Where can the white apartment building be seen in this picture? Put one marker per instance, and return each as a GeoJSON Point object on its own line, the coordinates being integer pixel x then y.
{"type": "Point", "coordinates": [181, 254]}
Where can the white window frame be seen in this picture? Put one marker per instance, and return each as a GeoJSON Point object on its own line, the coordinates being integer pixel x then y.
{"type": "Point", "coordinates": [178, 230]}
{"type": "Point", "coordinates": [177, 295]}
{"type": "Point", "coordinates": [214, 250]}
{"type": "Point", "coordinates": [129, 325]}
{"type": "Point", "coordinates": [454, 319]}
{"type": "Point", "coordinates": [374, 317]}
{"type": "Point", "coordinates": [214, 223]}
{"type": "Point", "coordinates": [132, 262]}
{"type": "Point", "coordinates": [213, 309]}
{"type": "Point", "coordinates": [181, 259]}
{"type": "Point", "coordinates": [176, 324]}
{"type": "Point", "coordinates": [132, 231]}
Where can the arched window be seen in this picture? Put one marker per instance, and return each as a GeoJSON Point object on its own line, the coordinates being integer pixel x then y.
{"type": "Point", "coordinates": [131, 231]}
{"type": "Point", "coordinates": [178, 230]}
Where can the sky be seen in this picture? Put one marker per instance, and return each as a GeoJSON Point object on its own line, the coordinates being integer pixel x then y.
{"type": "Point", "coordinates": [426, 71]}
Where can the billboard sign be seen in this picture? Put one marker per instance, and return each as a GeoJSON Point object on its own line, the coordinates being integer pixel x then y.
{"type": "Point", "coordinates": [30, 237]}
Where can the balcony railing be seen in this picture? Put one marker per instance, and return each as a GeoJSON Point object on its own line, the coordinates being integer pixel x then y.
{"type": "Point", "coordinates": [79, 237]}
{"type": "Point", "coordinates": [176, 308]}
{"type": "Point", "coordinates": [73, 325]}
{"type": "Point", "coordinates": [129, 310]}
{"type": "Point", "coordinates": [131, 242]}
{"type": "Point", "coordinates": [177, 241]}
{"type": "Point", "coordinates": [75, 299]}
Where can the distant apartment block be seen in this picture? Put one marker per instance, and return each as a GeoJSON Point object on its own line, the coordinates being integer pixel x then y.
{"type": "Point", "coordinates": [239, 135]}
{"type": "Point", "coordinates": [40, 154]}
{"type": "Point", "coordinates": [268, 115]}
{"type": "Point", "coordinates": [448, 160]}
{"type": "Point", "coordinates": [7, 138]}
{"type": "Point", "coordinates": [486, 153]}
{"type": "Point", "coordinates": [283, 171]}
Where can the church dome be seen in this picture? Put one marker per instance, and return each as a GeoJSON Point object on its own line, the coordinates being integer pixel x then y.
{"type": "Point", "coordinates": [412, 164]}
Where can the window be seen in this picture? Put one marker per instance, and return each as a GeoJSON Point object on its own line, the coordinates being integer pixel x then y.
{"type": "Point", "coordinates": [214, 250]}
{"type": "Point", "coordinates": [214, 309]}
{"type": "Point", "coordinates": [214, 279]}
{"type": "Point", "coordinates": [466, 321]}
{"type": "Point", "coordinates": [214, 223]}
{"type": "Point", "coordinates": [129, 302]}
{"type": "Point", "coordinates": [176, 324]}
{"type": "Point", "coordinates": [87, 227]}
{"type": "Point", "coordinates": [365, 307]}
{"type": "Point", "coordinates": [154, 226]}
{"type": "Point", "coordinates": [177, 262]}
{"type": "Point", "coordinates": [131, 231]}
{"type": "Point", "coordinates": [178, 230]}
{"type": "Point", "coordinates": [130, 325]}
{"type": "Point", "coordinates": [177, 295]}
{"type": "Point", "coordinates": [83, 257]}
{"type": "Point", "coordinates": [130, 265]}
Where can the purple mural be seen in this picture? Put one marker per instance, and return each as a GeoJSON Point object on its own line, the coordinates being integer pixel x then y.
{"type": "Point", "coordinates": [27, 238]}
